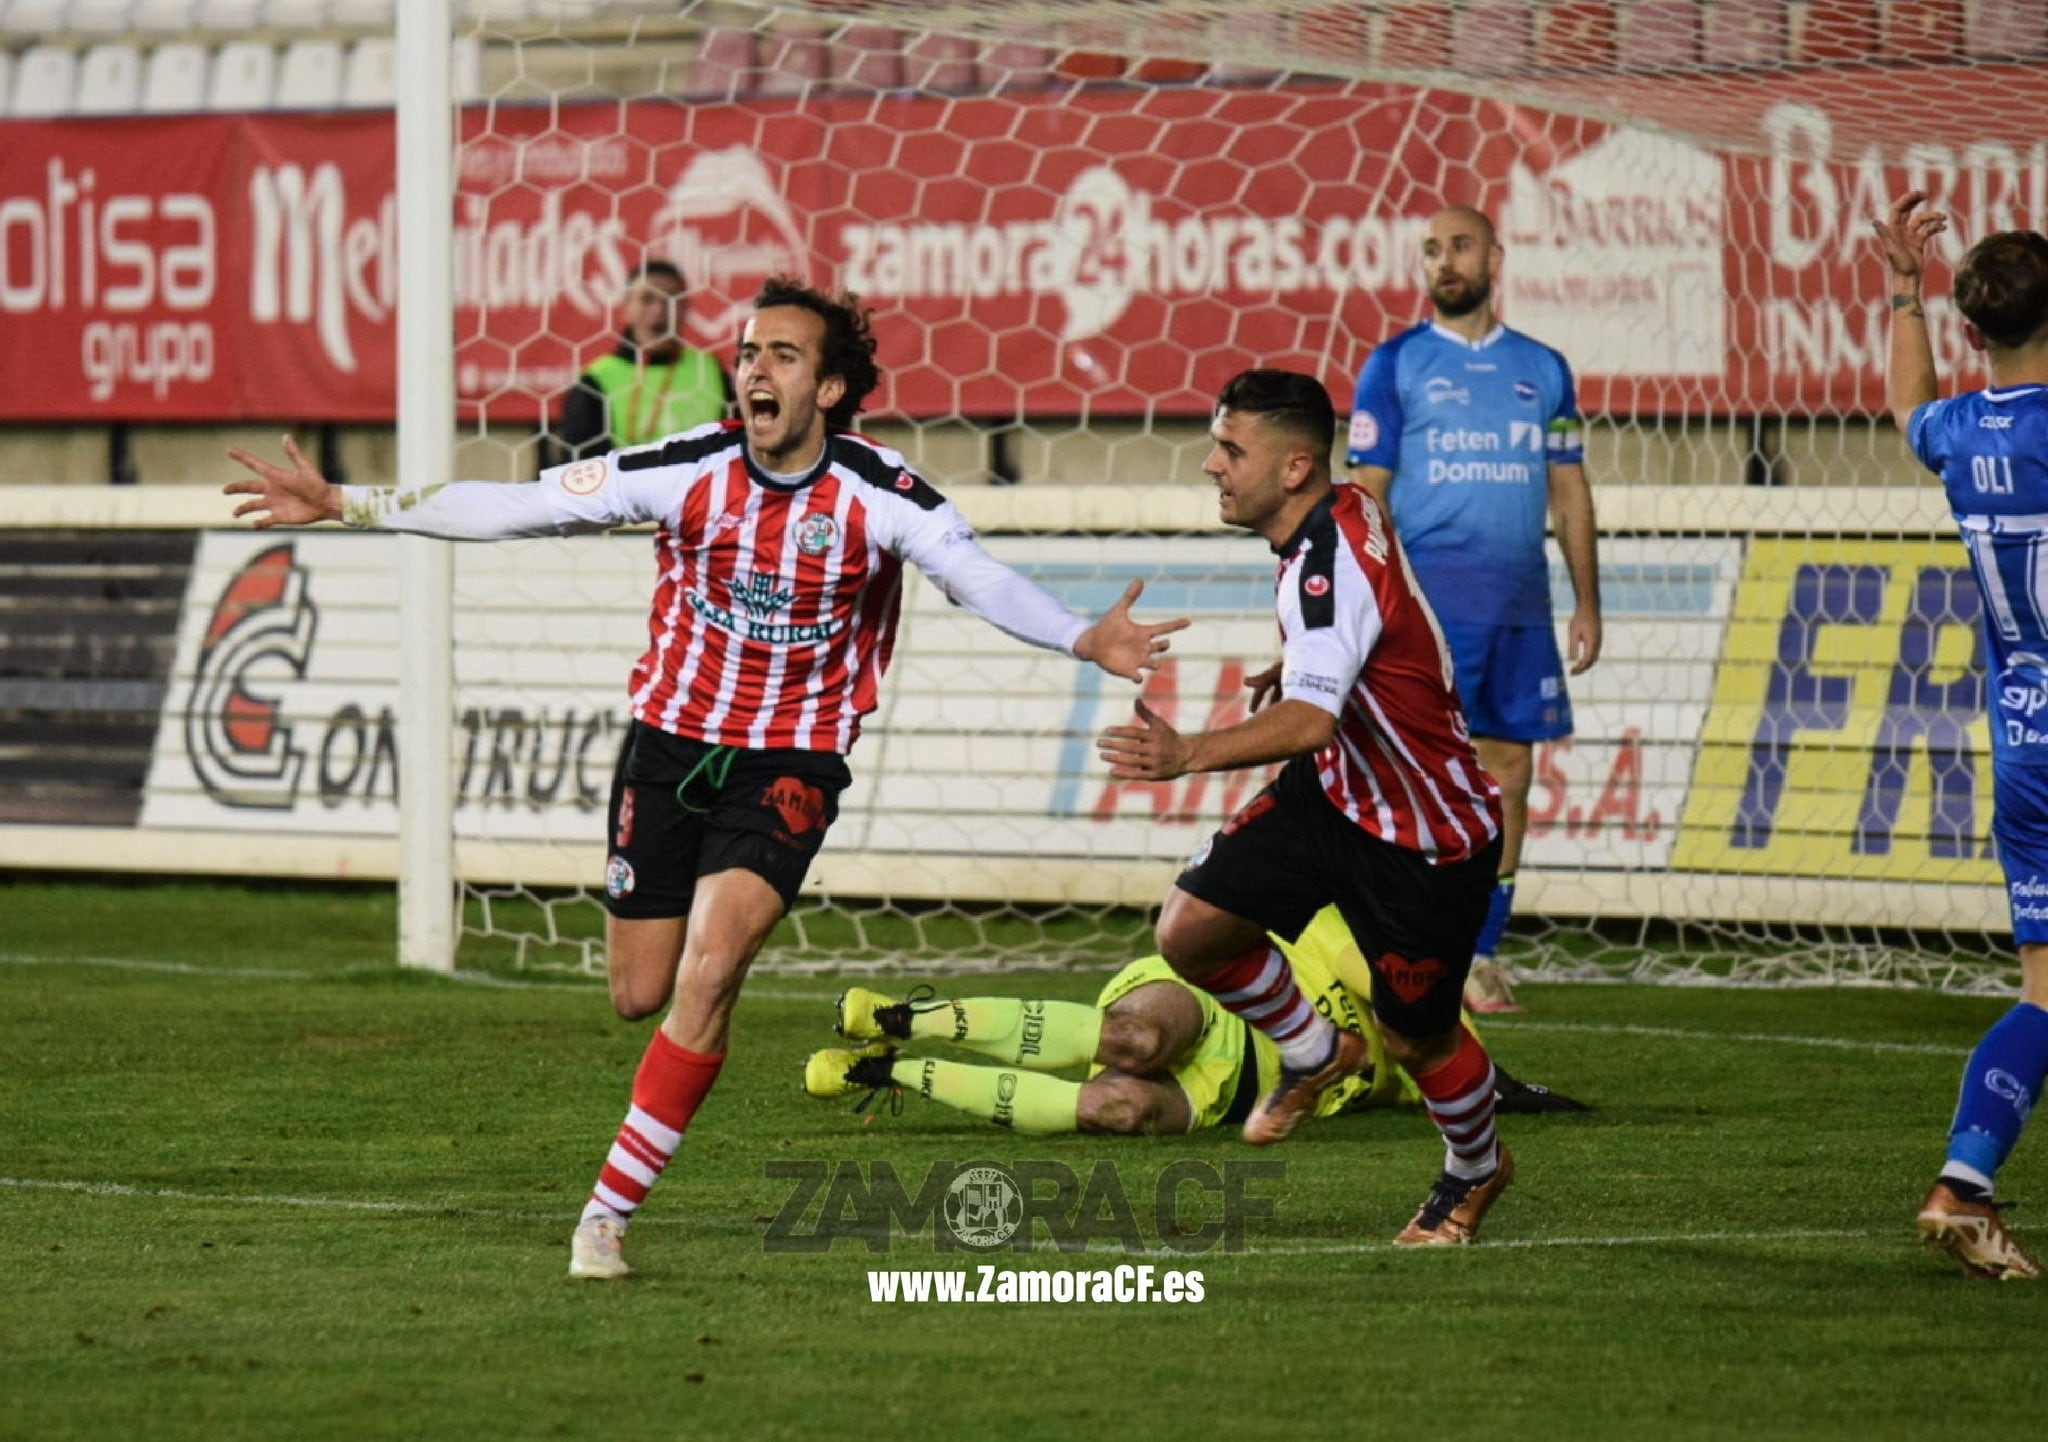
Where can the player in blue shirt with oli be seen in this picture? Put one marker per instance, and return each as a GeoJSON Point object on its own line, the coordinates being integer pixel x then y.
{"type": "Point", "coordinates": [1990, 448]}
{"type": "Point", "coordinates": [1469, 434]}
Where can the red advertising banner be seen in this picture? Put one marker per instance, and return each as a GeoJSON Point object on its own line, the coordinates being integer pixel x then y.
{"type": "Point", "coordinates": [1119, 251]}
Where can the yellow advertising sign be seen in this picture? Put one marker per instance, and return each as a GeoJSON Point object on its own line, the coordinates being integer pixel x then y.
{"type": "Point", "coordinates": [1847, 735]}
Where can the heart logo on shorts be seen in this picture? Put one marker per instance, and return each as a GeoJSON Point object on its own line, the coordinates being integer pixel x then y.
{"type": "Point", "coordinates": [1411, 980]}
{"type": "Point", "coordinates": [802, 807]}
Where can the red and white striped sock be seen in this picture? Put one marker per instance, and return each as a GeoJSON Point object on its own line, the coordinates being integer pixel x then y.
{"type": "Point", "coordinates": [670, 1085]}
{"type": "Point", "coordinates": [1459, 1095]}
{"type": "Point", "coordinates": [1259, 986]}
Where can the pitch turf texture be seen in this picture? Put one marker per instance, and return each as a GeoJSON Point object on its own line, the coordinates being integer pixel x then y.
{"type": "Point", "coordinates": [261, 1184]}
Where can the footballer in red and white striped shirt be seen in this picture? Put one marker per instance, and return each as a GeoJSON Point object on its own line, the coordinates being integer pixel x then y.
{"type": "Point", "coordinates": [779, 579]}
{"type": "Point", "coordinates": [1382, 808]}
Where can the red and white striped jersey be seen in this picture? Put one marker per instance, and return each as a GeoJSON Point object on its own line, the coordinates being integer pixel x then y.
{"type": "Point", "coordinates": [776, 599]}
{"type": "Point", "coordinates": [1359, 641]}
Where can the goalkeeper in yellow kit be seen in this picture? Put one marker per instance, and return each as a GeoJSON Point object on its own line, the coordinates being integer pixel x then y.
{"type": "Point", "coordinates": [1162, 1055]}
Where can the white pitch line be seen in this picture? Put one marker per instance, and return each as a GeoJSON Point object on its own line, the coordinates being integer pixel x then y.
{"type": "Point", "coordinates": [1333, 1247]}
{"type": "Point", "coordinates": [179, 968]}
{"type": "Point", "coordinates": [336, 1204]}
{"type": "Point", "coordinates": [1669, 1033]}
{"type": "Point", "coordinates": [761, 992]}
{"type": "Point", "coordinates": [1642, 1239]}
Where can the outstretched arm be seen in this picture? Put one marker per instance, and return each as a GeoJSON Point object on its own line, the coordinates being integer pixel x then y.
{"type": "Point", "coordinates": [1020, 607]}
{"type": "Point", "coordinates": [1910, 379]}
{"type": "Point", "coordinates": [1148, 749]}
{"type": "Point", "coordinates": [296, 494]}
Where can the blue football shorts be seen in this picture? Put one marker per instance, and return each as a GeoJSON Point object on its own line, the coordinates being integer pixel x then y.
{"type": "Point", "coordinates": [2020, 824]}
{"type": "Point", "coordinates": [1511, 679]}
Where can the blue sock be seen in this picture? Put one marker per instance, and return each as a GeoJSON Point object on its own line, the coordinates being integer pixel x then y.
{"type": "Point", "coordinates": [1496, 917]}
{"type": "Point", "coordinates": [2000, 1085]}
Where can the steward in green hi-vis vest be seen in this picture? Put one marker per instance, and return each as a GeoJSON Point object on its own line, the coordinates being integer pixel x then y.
{"type": "Point", "coordinates": [623, 401]}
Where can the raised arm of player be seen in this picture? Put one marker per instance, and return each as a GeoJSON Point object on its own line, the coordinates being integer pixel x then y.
{"type": "Point", "coordinates": [937, 539]}
{"type": "Point", "coordinates": [1910, 378]}
{"type": "Point", "coordinates": [588, 495]}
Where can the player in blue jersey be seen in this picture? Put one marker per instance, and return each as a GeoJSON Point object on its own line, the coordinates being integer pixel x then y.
{"type": "Point", "coordinates": [1990, 448]}
{"type": "Point", "coordinates": [1469, 432]}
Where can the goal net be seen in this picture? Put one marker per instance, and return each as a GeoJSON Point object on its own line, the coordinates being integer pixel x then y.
{"type": "Point", "coordinates": [1075, 221]}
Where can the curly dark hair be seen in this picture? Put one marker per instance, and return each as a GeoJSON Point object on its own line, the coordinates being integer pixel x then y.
{"type": "Point", "coordinates": [2002, 287]}
{"type": "Point", "coordinates": [849, 341]}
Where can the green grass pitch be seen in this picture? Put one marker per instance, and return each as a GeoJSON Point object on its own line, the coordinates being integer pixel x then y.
{"type": "Point", "coordinates": [257, 1183]}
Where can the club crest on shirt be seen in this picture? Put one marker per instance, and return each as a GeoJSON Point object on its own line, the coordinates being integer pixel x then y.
{"type": "Point", "coordinates": [1524, 391]}
{"type": "Point", "coordinates": [584, 478]}
{"type": "Point", "coordinates": [1365, 431]}
{"type": "Point", "coordinates": [1317, 585]}
{"type": "Point", "coordinates": [815, 533]}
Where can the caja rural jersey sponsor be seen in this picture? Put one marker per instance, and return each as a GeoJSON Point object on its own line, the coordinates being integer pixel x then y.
{"type": "Point", "coordinates": [775, 601]}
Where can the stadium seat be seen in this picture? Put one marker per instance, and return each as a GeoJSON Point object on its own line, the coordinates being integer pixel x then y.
{"type": "Point", "coordinates": [1495, 37]}
{"type": "Point", "coordinates": [1832, 32]}
{"type": "Point", "coordinates": [109, 81]}
{"type": "Point", "coordinates": [1744, 32]}
{"type": "Point", "coordinates": [362, 15]}
{"type": "Point", "coordinates": [1658, 35]}
{"type": "Point", "coordinates": [244, 77]}
{"type": "Point", "coordinates": [941, 62]}
{"type": "Point", "coordinates": [495, 12]}
{"type": "Point", "coordinates": [96, 17]}
{"type": "Point", "coordinates": [1417, 37]}
{"type": "Point", "coordinates": [295, 14]}
{"type": "Point", "coordinates": [32, 18]}
{"type": "Point", "coordinates": [367, 78]}
{"type": "Point", "coordinates": [175, 80]}
{"type": "Point", "coordinates": [163, 17]}
{"type": "Point", "coordinates": [1015, 66]}
{"type": "Point", "coordinates": [868, 57]}
{"type": "Point", "coordinates": [309, 75]}
{"type": "Point", "coordinates": [1926, 29]}
{"type": "Point", "coordinates": [1575, 35]}
{"type": "Point", "coordinates": [44, 80]}
{"type": "Point", "coordinates": [792, 61]}
{"type": "Point", "coordinates": [1996, 28]}
{"type": "Point", "coordinates": [724, 64]}
{"type": "Point", "coordinates": [229, 16]}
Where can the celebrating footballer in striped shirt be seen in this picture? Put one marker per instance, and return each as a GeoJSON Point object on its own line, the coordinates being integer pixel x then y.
{"type": "Point", "coordinates": [778, 582]}
{"type": "Point", "coordinates": [1381, 810]}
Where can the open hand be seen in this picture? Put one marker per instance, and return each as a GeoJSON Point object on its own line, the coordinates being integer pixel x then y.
{"type": "Point", "coordinates": [298, 496]}
{"type": "Point", "coordinates": [1124, 647]}
{"type": "Point", "coordinates": [1146, 750]}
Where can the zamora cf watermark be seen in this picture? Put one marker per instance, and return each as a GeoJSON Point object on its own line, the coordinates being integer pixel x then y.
{"type": "Point", "coordinates": [1188, 1207]}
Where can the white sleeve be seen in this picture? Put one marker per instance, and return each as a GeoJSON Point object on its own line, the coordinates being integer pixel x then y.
{"type": "Point", "coordinates": [940, 543]}
{"type": "Point", "coordinates": [583, 496]}
{"type": "Point", "coordinates": [1327, 644]}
